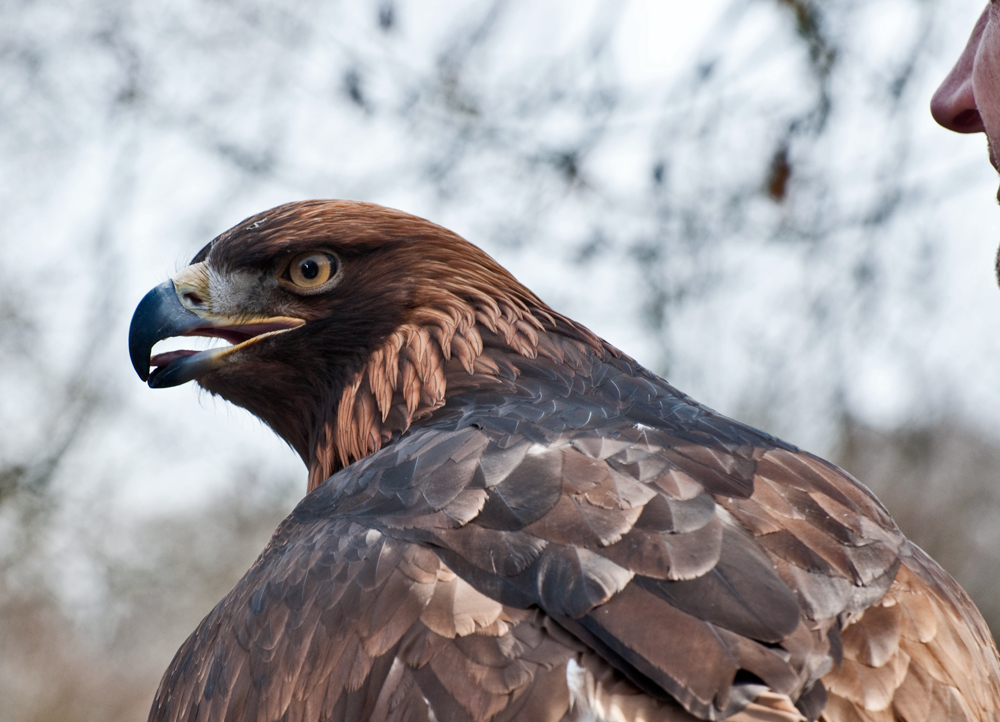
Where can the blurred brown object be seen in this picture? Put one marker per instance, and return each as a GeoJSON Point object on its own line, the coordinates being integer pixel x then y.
{"type": "Point", "coordinates": [941, 483]}
{"type": "Point", "coordinates": [73, 656]}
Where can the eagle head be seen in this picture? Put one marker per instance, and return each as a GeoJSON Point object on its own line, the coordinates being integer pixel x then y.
{"type": "Point", "coordinates": [345, 322]}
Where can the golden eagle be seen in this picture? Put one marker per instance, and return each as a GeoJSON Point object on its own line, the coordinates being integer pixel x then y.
{"type": "Point", "coordinates": [510, 519]}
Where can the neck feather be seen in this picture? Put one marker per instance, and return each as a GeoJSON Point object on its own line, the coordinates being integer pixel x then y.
{"type": "Point", "coordinates": [407, 377]}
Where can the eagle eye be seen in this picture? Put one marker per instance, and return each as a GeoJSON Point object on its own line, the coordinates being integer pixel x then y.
{"type": "Point", "coordinates": [310, 271]}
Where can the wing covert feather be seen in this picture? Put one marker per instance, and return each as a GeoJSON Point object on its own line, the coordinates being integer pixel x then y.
{"type": "Point", "coordinates": [587, 545]}
{"type": "Point", "coordinates": [336, 621]}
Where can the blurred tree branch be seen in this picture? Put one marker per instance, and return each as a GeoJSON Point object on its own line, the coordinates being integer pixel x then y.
{"type": "Point", "coordinates": [758, 212]}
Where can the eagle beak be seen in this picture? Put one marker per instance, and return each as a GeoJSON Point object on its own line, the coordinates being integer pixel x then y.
{"type": "Point", "coordinates": [161, 315]}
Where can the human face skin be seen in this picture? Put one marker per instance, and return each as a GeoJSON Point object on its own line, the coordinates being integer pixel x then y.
{"type": "Point", "coordinates": [968, 100]}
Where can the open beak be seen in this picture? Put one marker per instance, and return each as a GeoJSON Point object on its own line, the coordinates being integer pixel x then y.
{"type": "Point", "coordinates": [161, 315]}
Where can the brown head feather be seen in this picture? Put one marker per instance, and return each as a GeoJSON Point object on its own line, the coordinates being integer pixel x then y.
{"type": "Point", "coordinates": [430, 307]}
{"type": "Point", "coordinates": [407, 376]}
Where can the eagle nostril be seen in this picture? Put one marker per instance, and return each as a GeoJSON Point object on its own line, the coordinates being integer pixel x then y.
{"type": "Point", "coordinates": [193, 298]}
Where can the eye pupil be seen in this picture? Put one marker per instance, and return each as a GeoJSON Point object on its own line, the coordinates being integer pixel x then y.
{"type": "Point", "coordinates": [309, 269]}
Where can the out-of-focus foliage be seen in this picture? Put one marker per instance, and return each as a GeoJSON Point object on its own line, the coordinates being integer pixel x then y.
{"type": "Point", "coordinates": [89, 643]}
{"type": "Point", "coordinates": [743, 196]}
{"type": "Point", "coordinates": [940, 483]}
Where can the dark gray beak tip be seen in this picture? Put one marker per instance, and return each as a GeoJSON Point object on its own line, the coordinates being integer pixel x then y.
{"type": "Point", "coordinates": [159, 315]}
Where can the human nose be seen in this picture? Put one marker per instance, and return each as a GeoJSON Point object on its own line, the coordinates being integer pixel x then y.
{"type": "Point", "coordinates": [954, 103]}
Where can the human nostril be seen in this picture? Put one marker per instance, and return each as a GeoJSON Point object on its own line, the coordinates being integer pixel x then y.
{"type": "Point", "coordinates": [967, 119]}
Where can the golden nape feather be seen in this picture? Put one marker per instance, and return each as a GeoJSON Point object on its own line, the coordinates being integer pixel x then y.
{"type": "Point", "coordinates": [509, 519]}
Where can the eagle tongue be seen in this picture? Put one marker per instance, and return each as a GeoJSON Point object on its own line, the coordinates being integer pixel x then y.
{"type": "Point", "coordinates": [163, 359]}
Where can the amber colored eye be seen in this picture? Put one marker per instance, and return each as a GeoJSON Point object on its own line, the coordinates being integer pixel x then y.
{"type": "Point", "coordinates": [311, 270]}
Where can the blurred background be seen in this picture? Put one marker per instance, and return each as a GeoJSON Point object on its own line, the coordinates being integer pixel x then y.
{"type": "Point", "coordinates": [748, 196]}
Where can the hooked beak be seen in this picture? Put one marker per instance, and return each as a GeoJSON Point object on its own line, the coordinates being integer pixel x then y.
{"type": "Point", "coordinates": [161, 315]}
